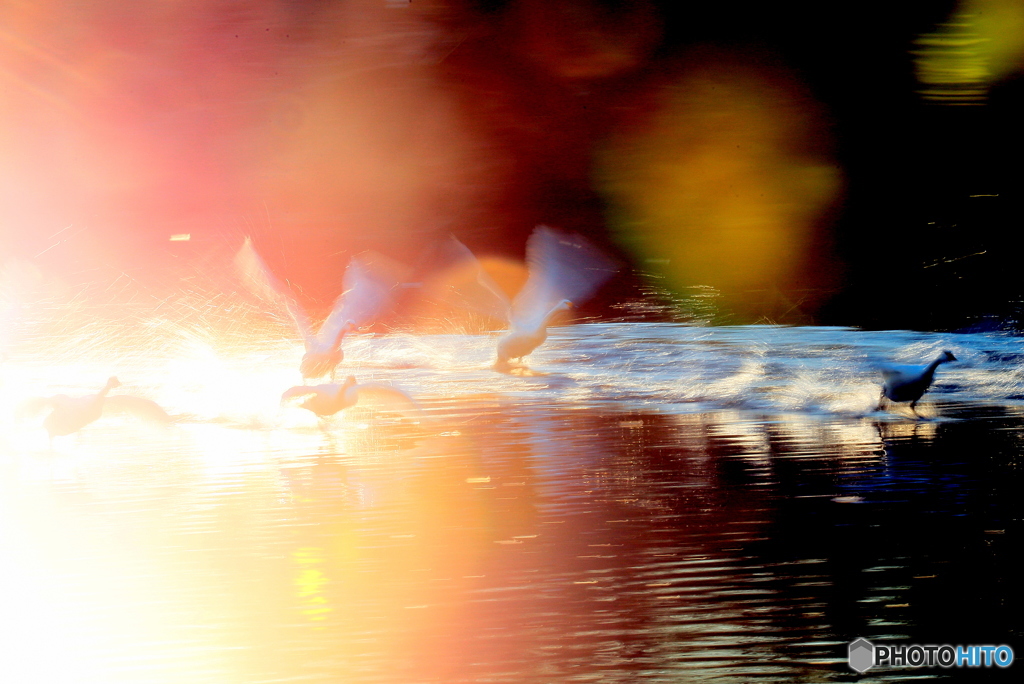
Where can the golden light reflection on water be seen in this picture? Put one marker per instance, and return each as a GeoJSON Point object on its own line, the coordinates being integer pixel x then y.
{"type": "Point", "coordinates": [310, 582]}
{"type": "Point", "coordinates": [202, 553]}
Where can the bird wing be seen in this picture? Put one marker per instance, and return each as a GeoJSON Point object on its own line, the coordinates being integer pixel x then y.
{"type": "Point", "coordinates": [486, 297]}
{"type": "Point", "coordinates": [561, 266]}
{"type": "Point", "coordinates": [388, 397]}
{"type": "Point", "coordinates": [139, 407]}
{"type": "Point", "coordinates": [262, 283]}
{"type": "Point", "coordinates": [367, 288]}
{"type": "Point", "coordinates": [32, 407]}
{"type": "Point", "coordinates": [7, 312]}
{"type": "Point", "coordinates": [6, 325]}
{"type": "Point", "coordinates": [894, 375]}
{"type": "Point", "coordinates": [300, 391]}
{"type": "Point", "coordinates": [16, 278]}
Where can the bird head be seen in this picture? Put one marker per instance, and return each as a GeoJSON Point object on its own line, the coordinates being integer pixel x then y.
{"type": "Point", "coordinates": [113, 382]}
{"type": "Point", "coordinates": [558, 308]}
{"type": "Point", "coordinates": [947, 356]}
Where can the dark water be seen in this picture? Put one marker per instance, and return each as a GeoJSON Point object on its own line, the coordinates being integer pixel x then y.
{"type": "Point", "coordinates": [659, 520]}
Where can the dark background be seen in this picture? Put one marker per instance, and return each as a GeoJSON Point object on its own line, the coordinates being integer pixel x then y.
{"type": "Point", "coordinates": [122, 127]}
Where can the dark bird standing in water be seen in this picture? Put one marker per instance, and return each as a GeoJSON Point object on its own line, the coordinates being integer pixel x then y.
{"type": "Point", "coordinates": [908, 383]}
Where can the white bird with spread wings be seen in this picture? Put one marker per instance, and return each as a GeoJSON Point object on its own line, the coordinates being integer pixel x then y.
{"type": "Point", "coordinates": [70, 414]}
{"type": "Point", "coordinates": [564, 270]}
{"type": "Point", "coordinates": [326, 400]}
{"type": "Point", "coordinates": [365, 294]}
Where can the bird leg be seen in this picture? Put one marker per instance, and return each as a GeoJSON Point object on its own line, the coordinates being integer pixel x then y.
{"type": "Point", "coordinates": [881, 400]}
{"type": "Point", "coordinates": [912, 405]}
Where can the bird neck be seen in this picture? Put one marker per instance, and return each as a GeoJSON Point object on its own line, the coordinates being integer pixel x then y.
{"type": "Point", "coordinates": [930, 370]}
{"type": "Point", "coordinates": [552, 313]}
{"type": "Point", "coordinates": [345, 329]}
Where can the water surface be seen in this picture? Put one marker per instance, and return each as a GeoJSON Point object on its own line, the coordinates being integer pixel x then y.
{"type": "Point", "coordinates": [655, 502]}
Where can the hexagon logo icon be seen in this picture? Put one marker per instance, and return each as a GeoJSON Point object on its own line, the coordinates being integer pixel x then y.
{"type": "Point", "coordinates": [862, 655]}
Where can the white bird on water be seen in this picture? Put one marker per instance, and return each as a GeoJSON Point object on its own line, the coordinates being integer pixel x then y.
{"type": "Point", "coordinates": [326, 400]}
{"type": "Point", "coordinates": [564, 270]}
{"type": "Point", "coordinates": [70, 414]}
{"type": "Point", "coordinates": [365, 293]}
{"type": "Point", "coordinates": [908, 383]}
